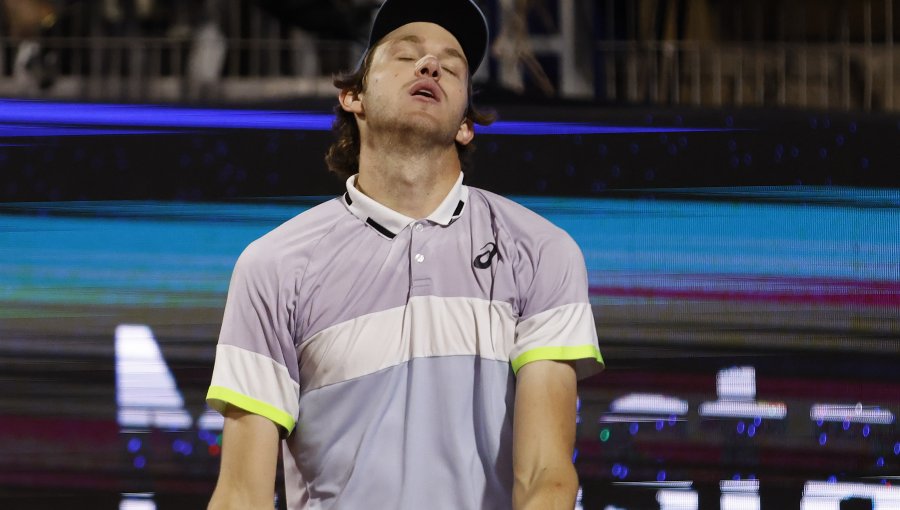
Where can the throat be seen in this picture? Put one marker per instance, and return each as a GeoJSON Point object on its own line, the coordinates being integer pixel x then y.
{"type": "Point", "coordinates": [414, 187]}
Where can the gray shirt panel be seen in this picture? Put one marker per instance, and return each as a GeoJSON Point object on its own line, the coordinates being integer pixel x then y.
{"type": "Point", "coordinates": [430, 433]}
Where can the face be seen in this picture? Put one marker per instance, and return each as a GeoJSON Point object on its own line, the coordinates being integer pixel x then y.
{"type": "Point", "coordinates": [417, 87]}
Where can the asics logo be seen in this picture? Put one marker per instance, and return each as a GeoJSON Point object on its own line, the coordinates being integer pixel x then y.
{"type": "Point", "coordinates": [484, 259]}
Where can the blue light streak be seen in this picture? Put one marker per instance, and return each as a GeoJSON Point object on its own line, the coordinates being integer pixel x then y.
{"type": "Point", "coordinates": [41, 115]}
{"type": "Point", "coordinates": [40, 112]}
{"type": "Point", "coordinates": [21, 130]}
{"type": "Point", "coordinates": [522, 128]}
{"type": "Point", "coordinates": [180, 254]}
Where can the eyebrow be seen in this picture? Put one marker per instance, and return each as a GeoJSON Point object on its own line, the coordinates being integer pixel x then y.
{"type": "Point", "coordinates": [451, 52]}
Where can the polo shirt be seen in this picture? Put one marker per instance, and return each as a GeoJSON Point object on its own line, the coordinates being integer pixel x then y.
{"type": "Point", "coordinates": [386, 348]}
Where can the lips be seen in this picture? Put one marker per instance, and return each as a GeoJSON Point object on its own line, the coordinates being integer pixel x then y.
{"type": "Point", "coordinates": [426, 89]}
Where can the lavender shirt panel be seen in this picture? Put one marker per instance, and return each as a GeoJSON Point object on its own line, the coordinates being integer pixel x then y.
{"type": "Point", "coordinates": [453, 452]}
{"type": "Point", "coordinates": [262, 306]}
{"type": "Point", "coordinates": [547, 264]}
{"type": "Point", "coordinates": [356, 271]}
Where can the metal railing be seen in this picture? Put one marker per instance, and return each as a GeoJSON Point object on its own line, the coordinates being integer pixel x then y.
{"type": "Point", "coordinates": [158, 69]}
{"type": "Point", "coordinates": [819, 76]}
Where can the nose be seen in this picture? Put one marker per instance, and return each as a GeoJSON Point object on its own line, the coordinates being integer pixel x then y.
{"type": "Point", "coordinates": [428, 66]}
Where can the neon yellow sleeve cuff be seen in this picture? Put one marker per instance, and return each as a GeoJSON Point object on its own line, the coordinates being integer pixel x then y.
{"type": "Point", "coordinates": [217, 397]}
{"type": "Point", "coordinates": [556, 354]}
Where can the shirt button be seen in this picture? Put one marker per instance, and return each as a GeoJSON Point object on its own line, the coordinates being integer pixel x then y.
{"type": "Point", "coordinates": [420, 258]}
{"type": "Point", "coordinates": [419, 227]}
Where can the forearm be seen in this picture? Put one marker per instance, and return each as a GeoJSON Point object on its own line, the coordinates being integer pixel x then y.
{"type": "Point", "coordinates": [230, 499]}
{"type": "Point", "coordinates": [544, 436]}
{"type": "Point", "coordinates": [548, 489]}
{"type": "Point", "coordinates": [249, 457]}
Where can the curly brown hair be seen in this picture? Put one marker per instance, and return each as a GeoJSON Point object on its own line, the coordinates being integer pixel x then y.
{"type": "Point", "coordinates": [342, 157]}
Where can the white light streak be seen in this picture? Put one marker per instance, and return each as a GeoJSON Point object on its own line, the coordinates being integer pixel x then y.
{"type": "Point", "coordinates": [674, 484]}
{"type": "Point", "coordinates": [632, 418]}
{"type": "Point", "coordinates": [738, 383]}
{"type": "Point", "coordinates": [828, 496]}
{"type": "Point", "coordinates": [739, 485]}
{"type": "Point", "coordinates": [743, 409]}
{"type": "Point", "coordinates": [736, 391]}
{"type": "Point", "coordinates": [137, 501]}
{"type": "Point", "coordinates": [670, 499]}
{"type": "Point", "coordinates": [739, 495]}
{"type": "Point", "coordinates": [649, 403]}
{"type": "Point", "coordinates": [739, 501]}
{"type": "Point", "coordinates": [211, 420]}
{"type": "Point", "coordinates": [145, 388]}
{"type": "Point", "coordinates": [851, 413]}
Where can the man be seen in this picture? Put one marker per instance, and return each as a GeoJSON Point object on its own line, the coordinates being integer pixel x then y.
{"type": "Point", "coordinates": [415, 343]}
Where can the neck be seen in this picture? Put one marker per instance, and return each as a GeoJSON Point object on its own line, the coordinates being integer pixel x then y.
{"type": "Point", "coordinates": [413, 181]}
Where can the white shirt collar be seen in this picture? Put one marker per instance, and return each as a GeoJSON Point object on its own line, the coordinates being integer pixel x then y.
{"type": "Point", "coordinates": [389, 222]}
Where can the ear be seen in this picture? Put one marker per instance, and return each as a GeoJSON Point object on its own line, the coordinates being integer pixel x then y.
{"type": "Point", "coordinates": [350, 101]}
{"type": "Point", "coordinates": [466, 132]}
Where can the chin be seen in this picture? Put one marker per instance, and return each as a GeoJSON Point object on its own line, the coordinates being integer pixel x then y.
{"type": "Point", "coordinates": [418, 126]}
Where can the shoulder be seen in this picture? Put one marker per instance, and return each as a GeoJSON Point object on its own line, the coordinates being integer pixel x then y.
{"type": "Point", "coordinates": [525, 228]}
{"type": "Point", "coordinates": [292, 242]}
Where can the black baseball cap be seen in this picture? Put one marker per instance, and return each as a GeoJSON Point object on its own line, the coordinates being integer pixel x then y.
{"type": "Point", "coordinates": [462, 18]}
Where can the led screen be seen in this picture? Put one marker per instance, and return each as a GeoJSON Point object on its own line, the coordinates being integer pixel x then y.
{"type": "Point", "coordinates": [751, 336]}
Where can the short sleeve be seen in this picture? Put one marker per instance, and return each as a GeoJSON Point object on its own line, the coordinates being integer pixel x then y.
{"type": "Point", "coordinates": [555, 317]}
{"type": "Point", "coordinates": [256, 362]}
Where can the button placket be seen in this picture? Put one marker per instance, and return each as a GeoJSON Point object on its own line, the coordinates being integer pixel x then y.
{"type": "Point", "coordinates": [418, 257]}
{"type": "Point", "coordinates": [420, 282]}
{"type": "Point", "coordinates": [417, 239]}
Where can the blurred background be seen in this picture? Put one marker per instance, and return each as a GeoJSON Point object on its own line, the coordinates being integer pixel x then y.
{"type": "Point", "coordinates": [729, 169]}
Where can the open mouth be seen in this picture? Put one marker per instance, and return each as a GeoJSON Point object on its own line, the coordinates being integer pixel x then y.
{"type": "Point", "coordinates": [424, 93]}
{"type": "Point", "coordinates": [426, 90]}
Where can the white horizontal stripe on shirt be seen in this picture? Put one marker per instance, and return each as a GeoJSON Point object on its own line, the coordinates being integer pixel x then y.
{"type": "Point", "coordinates": [563, 326]}
{"type": "Point", "coordinates": [256, 376]}
{"type": "Point", "coordinates": [428, 326]}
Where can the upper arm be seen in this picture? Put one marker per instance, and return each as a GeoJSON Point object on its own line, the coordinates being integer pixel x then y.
{"type": "Point", "coordinates": [556, 321]}
{"type": "Point", "coordinates": [249, 460]}
{"type": "Point", "coordinates": [256, 367]}
{"type": "Point", "coordinates": [544, 420]}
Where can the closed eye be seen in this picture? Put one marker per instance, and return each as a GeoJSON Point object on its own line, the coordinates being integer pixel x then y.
{"type": "Point", "coordinates": [451, 71]}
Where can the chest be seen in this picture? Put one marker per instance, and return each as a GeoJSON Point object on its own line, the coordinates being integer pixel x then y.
{"type": "Point", "coordinates": [365, 276]}
{"type": "Point", "coordinates": [424, 294]}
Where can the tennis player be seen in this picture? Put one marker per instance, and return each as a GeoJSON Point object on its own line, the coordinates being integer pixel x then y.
{"type": "Point", "coordinates": [414, 343]}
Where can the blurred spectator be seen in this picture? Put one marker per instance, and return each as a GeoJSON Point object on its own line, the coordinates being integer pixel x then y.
{"type": "Point", "coordinates": [513, 47]}
{"type": "Point", "coordinates": [207, 56]}
{"type": "Point", "coordinates": [33, 68]}
{"type": "Point", "coordinates": [27, 18]}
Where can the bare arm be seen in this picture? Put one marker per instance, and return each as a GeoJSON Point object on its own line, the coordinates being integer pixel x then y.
{"type": "Point", "coordinates": [544, 437]}
{"type": "Point", "coordinates": [249, 458]}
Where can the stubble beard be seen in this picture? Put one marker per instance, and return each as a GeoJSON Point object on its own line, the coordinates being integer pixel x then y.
{"type": "Point", "coordinates": [410, 132]}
